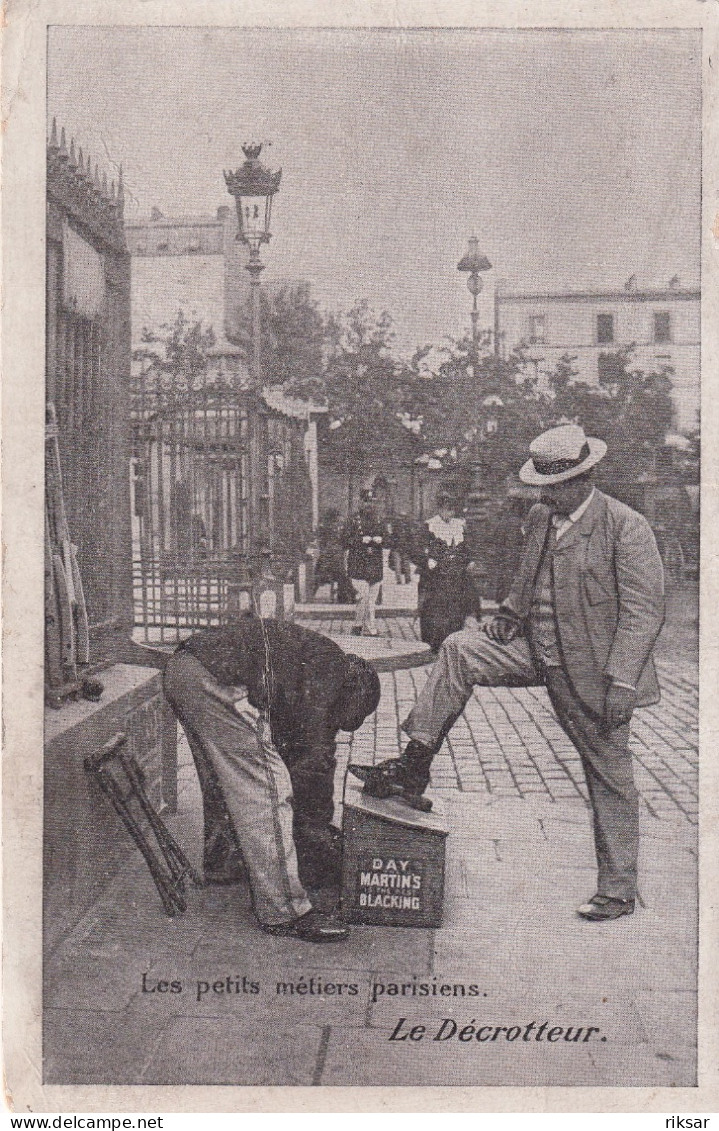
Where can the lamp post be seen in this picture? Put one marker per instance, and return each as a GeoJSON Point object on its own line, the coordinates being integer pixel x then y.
{"type": "Point", "coordinates": [253, 187]}
{"type": "Point", "coordinates": [472, 263]}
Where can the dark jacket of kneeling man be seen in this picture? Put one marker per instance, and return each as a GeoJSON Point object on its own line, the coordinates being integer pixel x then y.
{"type": "Point", "coordinates": [310, 690]}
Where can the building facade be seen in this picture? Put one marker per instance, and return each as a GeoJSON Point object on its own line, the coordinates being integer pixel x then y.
{"type": "Point", "coordinates": [183, 263]}
{"type": "Point", "coordinates": [194, 264]}
{"type": "Point", "coordinates": [662, 324]}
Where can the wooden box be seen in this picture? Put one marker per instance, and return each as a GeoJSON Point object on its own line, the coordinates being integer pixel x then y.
{"type": "Point", "coordinates": [393, 867]}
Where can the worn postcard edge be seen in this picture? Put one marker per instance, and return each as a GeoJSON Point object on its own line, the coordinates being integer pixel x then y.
{"type": "Point", "coordinates": [23, 227]}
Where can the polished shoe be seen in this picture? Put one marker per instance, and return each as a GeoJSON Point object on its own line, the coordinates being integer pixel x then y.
{"type": "Point", "coordinates": [604, 907]}
{"type": "Point", "coordinates": [356, 630]}
{"type": "Point", "coordinates": [392, 779]}
{"type": "Point", "coordinates": [313, 927]}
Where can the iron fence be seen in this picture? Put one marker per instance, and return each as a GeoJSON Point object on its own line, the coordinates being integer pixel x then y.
{"type": "Point", "coordinates": [217, 477]}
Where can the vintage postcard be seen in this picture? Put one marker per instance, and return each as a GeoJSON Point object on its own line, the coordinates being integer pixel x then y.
{"type": "Point", "coordinates": [359, 535]}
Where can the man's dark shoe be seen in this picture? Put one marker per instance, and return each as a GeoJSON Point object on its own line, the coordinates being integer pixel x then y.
{"type": "Point", "coordinates": [313, 927]}
{"type": "Point", "coordinates": [356, 629]}
{"type": "Point", "coordinates": [604, 907]}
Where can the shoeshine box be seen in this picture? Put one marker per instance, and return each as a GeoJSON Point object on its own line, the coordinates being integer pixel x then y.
{"type": "Point", "coordinates": [393, 861]}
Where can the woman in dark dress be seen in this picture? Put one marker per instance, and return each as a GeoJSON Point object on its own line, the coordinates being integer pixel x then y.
{"type": "Point", "coordinates": [446, 592]}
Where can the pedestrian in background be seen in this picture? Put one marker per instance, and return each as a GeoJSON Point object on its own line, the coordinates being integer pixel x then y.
{"type": "Point", "coordinates": [330, 569]}
{"type": "Point", "coordinates": [364, 539]}
{"type": "Point", "coordinates": [446, 594]}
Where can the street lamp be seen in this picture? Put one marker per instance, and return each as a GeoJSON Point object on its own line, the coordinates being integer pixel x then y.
{"type": "Point", "coordinates": [477, 515]}
{"type": "Point", "coordinates": [253, 187]}
{"type": "Point", "coordinates": [472, 263]}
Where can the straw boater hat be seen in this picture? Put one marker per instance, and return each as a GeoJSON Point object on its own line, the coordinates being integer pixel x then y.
{"type": "Point", "coordinates": [559, 454]}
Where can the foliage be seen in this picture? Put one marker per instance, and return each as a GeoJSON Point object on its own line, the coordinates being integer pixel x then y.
{"type": "Point", "coordinates": [629, 409]}
{"type": "Point", "coordinates": [479, 412]}
{"type": "Point", "coordinates": [482, 410]}
{"type": "Point", "coordinates": [176, 354]}
{"type": "Point", "coordinates": [295, 336]}
{"type": "Point", "coordinates": [489, 413]}
{"type": "Point", "coordinates": [362, 386]}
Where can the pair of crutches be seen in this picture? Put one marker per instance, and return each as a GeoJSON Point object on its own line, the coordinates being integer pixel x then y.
{"type": "Point", "coordinates": [122, 781]}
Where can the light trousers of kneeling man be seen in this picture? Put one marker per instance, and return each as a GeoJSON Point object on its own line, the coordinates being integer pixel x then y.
{"type": "Point", "coordinates": [253, 778]}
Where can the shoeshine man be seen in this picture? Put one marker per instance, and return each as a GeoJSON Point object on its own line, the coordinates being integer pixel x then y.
{"type": "Point", "coordinates": [261, 702]}
{"type": "Point", "coordinates": [582, 617]}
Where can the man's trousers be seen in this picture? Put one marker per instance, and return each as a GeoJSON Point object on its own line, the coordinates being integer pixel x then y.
{"type": "Point", "coordinates": [470, 659]}
{"type": "Point", "coordinates": [254, 780]}
{"type": "Point", "coordinates": [365, 607]}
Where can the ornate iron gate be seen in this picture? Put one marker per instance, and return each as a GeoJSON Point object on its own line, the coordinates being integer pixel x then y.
{"type": "Point", "coordinates": [218, 477]}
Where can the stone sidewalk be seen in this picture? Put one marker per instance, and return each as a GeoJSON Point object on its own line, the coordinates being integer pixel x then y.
{"type": "Point", "coordinates": [510, 956]}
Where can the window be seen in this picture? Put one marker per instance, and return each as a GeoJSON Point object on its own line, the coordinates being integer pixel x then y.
{"type": "Point", "coordinates": [662, 326]}
{"type": "Point", "coordinates": [609, 369]}
{"type": "Point", "coordinates": [538, 328]}
{"type": "Point", "coordinates": [605, 329]}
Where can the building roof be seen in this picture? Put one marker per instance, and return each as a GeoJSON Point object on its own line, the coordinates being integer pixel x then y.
{"type": "Point", "coordinates": [664, 294]}
{"type": "Point", "coordinates": [198, 221]}
{"type": "Point", "coordinates": [275, 397]}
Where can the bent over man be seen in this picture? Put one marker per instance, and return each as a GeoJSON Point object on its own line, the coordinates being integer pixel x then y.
{"type": "Point", "coordinates": [261, 703]}
{"type": "Point", "coordinates": [582, 616]}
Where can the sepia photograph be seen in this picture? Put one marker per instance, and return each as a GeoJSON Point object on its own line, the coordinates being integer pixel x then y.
{"type": "Point", "coordinates": [372, 402]}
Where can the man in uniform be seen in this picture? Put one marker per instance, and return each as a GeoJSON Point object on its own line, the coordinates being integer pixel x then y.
{"type": "Point", "coordinates": [261, 703]}
{"type": "Point", "coordinates": [364, 538]}
{"type": "Point", "coordinates": [582, 616]}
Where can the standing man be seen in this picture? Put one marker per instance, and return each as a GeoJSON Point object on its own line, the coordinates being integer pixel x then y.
{"type": "Point", "coordinates": [364, 538]}
{"type": "Point", "coordinates": [582, 617]}
{"type": "Point", "coordinates": [261, 703]}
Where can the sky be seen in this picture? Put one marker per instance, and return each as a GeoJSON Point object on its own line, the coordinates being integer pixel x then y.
{"type": "Point", "coordinates": [573, 156]}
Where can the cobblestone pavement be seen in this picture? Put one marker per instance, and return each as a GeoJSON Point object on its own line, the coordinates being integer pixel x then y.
{"type": "Point", "coordinates": [509, 744]}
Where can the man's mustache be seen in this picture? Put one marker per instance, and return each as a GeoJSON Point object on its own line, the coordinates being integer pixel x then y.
{"type": "Point", "coordinates": [553, 505]}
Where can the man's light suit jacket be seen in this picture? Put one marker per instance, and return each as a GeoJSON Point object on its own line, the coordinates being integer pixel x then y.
{"type": "Point", "coordinates": [608, 586]}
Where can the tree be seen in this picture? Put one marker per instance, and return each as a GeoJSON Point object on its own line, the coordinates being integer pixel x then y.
{"type": "Point", "coordinates": [295, 337]}
{"type": "Point", "coordinates": [630, 409]}
{"type": "Point", "coordinates": [484, 409]}
{"type": "Point", "coordinates": [176, 354]}
{"type": "Point", "coordinates": [362, 386]}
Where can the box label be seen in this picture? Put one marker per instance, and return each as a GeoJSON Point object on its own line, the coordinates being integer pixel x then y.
{"type": "Point", "coordinates": [390, 883]}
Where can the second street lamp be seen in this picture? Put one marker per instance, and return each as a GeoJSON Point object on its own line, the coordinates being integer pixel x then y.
{"type": "Point", "coordinates": [472, 263]}
{"type": "Point", "coordinates": [477, 514]}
